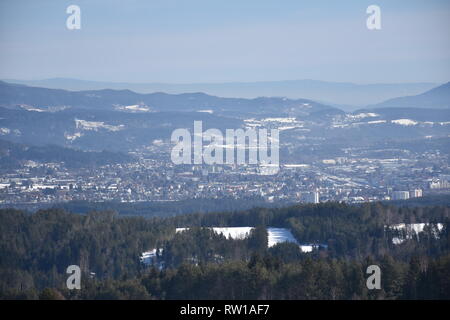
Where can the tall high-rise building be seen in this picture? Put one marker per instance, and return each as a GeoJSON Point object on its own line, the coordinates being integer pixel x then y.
{"type": "Point", "coordinates": [400, 195]}
{"type": "Point", "coordinates": [312, 197]}
{"type": "Point", "coordinates": [416, 193]}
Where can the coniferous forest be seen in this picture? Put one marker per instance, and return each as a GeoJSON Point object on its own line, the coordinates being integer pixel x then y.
{"type": "Point", "coordinates": [36, 248]}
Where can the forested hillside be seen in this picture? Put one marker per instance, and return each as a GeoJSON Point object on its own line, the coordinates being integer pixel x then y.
{"type": "Point", "coordinates": [14, 155]}
{"type": "Point", "coordinates": [36, 249]}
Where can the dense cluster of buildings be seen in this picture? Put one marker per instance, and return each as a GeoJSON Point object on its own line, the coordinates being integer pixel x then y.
{"type": "Point", "coordinates": [349, 179]}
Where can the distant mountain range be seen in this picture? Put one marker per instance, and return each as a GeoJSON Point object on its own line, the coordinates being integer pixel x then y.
{"type": "Point", "coordinates": [37, 97]}
{"type": "Point", "coordinates": [436, 98]}
{"type": "Point", "coordinates": [123, 120]}
{"type": "Point", "coordinates": [348, 96]}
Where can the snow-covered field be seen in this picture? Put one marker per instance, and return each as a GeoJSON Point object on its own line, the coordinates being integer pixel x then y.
{"type": "Point", "coordinates": [95, 125]}
{"type": "Point", "coordinates": [376, 121]}
{"type": "Point", "coordinates": [206, 111]}
{"type": "Point", "coordinates": [74, 136]}
{"type": "Point", "coordinates": [147, 257]}
{"type": "Point", "coordinates": [275, 235]}
{"type": "Point", "coordinates": [364, 119]}
{"type": "Point", "coordinates": [30, 108]}
{"type": "Point", "coordinates": [362, 116]}
{"type": "Point", "coordinates": [134, 108]}
{"type": "Point", "coordinates": [307, 248]}
{"type": "Point", "coordinates": [405, 122]}
{"type": "Point", "coordinates": [279, 235]}
{"type": "Point", "coordinates": [281, 120]}
{"type": "Point", "coordinates": [281, 124]}
{"type": "Point", "coordinates": [413, 229]}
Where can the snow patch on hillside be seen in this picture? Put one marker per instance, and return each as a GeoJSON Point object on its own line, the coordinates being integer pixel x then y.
{"type": "Point", "coordinates": [363, 115]}
{"type": "Point", "coordinates": [4, 131]}
{"type": "Point", "coordinates": [73, 137]}
{"type": "Point", "coordinates": [134, 108]}
{"type": "Point", "coordinates": [376, 121]}
{"type": "Point", "coordinates": [405, 122]}
{"type": "Point", "coordinates": [96, 125]}
{"type": "Point", "coordinates": [31, 108]}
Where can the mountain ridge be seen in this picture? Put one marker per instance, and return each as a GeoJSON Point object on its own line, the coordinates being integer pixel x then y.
{"type": "Point", "coordinates": [436, 98]}
{"type": "Point", "coordinates": [339, 93]}
{"type": "Point", "coordinates": [13, 94]}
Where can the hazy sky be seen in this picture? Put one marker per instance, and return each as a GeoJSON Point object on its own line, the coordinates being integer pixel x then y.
{"type": "Point", "coordinates": [182, 41]}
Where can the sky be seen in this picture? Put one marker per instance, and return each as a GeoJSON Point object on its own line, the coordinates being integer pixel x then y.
{"type": "Point", "coordinates": [198, 41]}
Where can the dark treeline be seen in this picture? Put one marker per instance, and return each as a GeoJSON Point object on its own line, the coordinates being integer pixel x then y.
{"type": "Point", "coordinates": [149, 209]}
{"type": "Point", "coordinates": [36, 249]}
{"type": "Point", "coordinates": [168, 208]}
{"type": "Point", "coordinates": [428, 200]}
